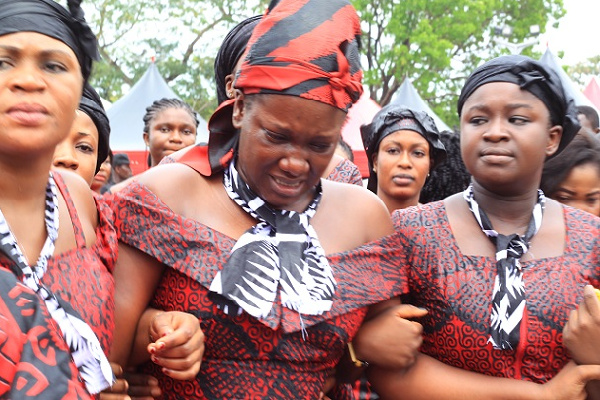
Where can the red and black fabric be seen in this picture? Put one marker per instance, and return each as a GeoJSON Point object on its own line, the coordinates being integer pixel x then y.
{"type": "Point", "coordinates": [245, 357]}
{"type": "Point", "coordinates": [303, 48]}
{"type": "Point", "coordinates": [82, 276]}
{"type": "Point", "coordinates": [457, 290]}
{"type": "Point", "coordinates": [346, 172]}
{"type": "Point", "coordinates": [35, 362]}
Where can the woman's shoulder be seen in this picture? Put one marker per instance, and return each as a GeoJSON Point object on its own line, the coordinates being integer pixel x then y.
{"type": "Point", "coordinates": [80, 194]}
{"type": "Point", "coordinates": [354, 210]}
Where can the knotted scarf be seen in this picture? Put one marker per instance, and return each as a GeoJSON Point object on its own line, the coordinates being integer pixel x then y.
{"type": "Point", "coordinates": [508, 298]}
{"type": "Point", "coordinates": [535, 77]}
{"type": "Point", "coordinates": [84, 346]}
{"type": "Point", "coordinates": [282, 250]}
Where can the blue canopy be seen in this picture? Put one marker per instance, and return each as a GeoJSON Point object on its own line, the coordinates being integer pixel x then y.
{"type": "Point", "coordinates": [126, 114]}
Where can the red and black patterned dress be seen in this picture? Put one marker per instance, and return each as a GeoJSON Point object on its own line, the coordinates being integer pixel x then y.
{"type": "Point", "coordinates": [346, 172]}
{"type": "Point", "coordinates": [83, 275]}
{"type": "Point", "coordinates": [245, 357]}
{"type": "Point", "coordinates": [457, 291]}
{"type": "Point", "coordinates": [35, 362]}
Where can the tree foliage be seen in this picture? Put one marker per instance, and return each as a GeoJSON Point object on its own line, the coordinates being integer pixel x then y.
{"type": "Point", "coordinates": [582, 72]}
{"type": "Point", "coordinates": [435, 43]}
{"type": "Point", "coordinates": [182, 36]}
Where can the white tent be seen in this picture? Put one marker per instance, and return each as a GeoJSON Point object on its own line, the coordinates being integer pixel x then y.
{"type": "Point", "coordinates": [407, 96]}
{"type": "Point", "coordinates": [126, 114]}
{"type": "Point", "coordinates": [570, 87]}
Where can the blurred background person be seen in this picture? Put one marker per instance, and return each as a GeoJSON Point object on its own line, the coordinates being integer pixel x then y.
{"type": "Point", "coordinates": [573, 176]}
{"type": "Point", "coordinates": [169, 125]}
{"type": "Point", "coordinates": [588, 118]}
{"type": "Point", "coordinates": [103, 175]}
{"type": "Point", "coordinates": [402, 147]}
{"type": "Point", "coordinates": [451, 176]}
{"type": "Point", "coordinates": [86, 147]}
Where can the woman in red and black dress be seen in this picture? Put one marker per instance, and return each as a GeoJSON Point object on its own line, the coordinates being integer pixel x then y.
{"type": "Point", "coordinates": [52, 235]}
{"type": "Point", "coordinates": [500, 266]}
{"type": "Point", "coordinates": [279, 266]}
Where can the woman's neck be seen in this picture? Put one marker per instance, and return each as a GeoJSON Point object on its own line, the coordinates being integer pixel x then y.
{"type": "Point", "coordinates": [22, 184]}
{"type": "Point", "coordinates": [508, 214]}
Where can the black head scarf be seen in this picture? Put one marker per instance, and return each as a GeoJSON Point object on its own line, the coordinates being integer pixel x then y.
{"type": "Point", "coordinates": [230, 52]}
{"type": "Point", "coordinates": [535, 77]}
{"type": "Point", "coordinates": [393, 118]}
{"type": "Point", "coordinates": [92, 105]}
{"type": "Point", "coordinates": [51, 19]}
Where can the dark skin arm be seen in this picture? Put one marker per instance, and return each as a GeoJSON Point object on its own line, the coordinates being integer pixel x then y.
{"type": "Point", "coordinates": [581, 335]}
{"type": "Point", "coordinates": [177, 339]}
{"type": "Point", "coordinates": [429, 378]}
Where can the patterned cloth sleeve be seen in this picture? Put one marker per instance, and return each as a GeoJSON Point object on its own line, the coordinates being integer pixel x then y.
{"type": "Point", "coordinates": [34, 359]}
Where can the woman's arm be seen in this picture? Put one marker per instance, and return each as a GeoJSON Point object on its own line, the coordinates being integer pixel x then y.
{"type": "Point", "coordinates": [136, 277]}
{"type": "Point", "coordinates": [429, 378]}
{"type": "Point", "coordinates": [581, 335]}
{"type": "Point", "coordinates": [173, 340]}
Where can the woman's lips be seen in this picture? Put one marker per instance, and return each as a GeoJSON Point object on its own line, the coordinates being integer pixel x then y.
{"type": "Point", "coordinates": [28, 114]}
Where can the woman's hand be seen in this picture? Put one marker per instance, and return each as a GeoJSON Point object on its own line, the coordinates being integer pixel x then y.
{"type": "Point", "coordinates": [177, 344]}
{"type": "Point", "coordinates": [131, 386]}
{"type": "Point", "coordinates": [118, 391]}
{"type": "Point", "coordinates": [581, 334]}
{"type": "Point", "coordinates": [570, 382]}
{"type": "Point", "coordinates": [390, 339]}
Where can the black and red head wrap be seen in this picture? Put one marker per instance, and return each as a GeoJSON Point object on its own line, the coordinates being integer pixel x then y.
{"type": "Point", "coordinates": [535, 77]}
{"type": "Point", "coordinates": [51, 19]}
{"type": "Point", "coordinates": [304, 48]}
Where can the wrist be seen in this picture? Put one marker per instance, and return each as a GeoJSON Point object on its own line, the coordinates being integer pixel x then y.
{"type": "Point", "coordinates": [356, 361]}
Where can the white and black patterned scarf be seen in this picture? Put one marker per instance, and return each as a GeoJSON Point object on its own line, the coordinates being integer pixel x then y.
{"type": "Point", "coordinates": [85, 348]}
{"type": "Point", "coordinates": [508, 298]}
{"type": "Point", "coordinates": [281, 250]}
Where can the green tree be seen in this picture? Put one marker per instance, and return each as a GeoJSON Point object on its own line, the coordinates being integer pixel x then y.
{"type": "Point", "coordinates": [182, 36]}
{"type": "Point", "coordinates": [582, 72]}
{"type": "Point", "coordinates": [437, 43]}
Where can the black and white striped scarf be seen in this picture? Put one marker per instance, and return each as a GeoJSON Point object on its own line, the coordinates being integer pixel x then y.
{"type": "Point", "coordinates": [281, 250]}
{"type": "Point", "coordinates": [508, 298]}
{"type": "Point", "coordinates": [85, 348]}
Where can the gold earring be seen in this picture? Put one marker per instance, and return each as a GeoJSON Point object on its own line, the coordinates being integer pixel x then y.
{"type": "Point", "coordinates": [230, 94]}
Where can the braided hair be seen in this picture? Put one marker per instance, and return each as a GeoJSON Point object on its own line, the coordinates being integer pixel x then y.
{"type": "Point", "coordinates": [450, 177]}
{"type": "Point", "coordinates": [163, 104]}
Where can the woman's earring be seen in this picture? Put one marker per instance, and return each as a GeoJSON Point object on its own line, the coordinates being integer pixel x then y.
{"type": "Point", "coordinates": [230, 94]}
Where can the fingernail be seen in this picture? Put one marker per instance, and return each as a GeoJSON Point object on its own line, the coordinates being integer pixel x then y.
{"type": "Point", "coordinates": [152, 350]}
{"type": "Point", "coordinates": [162, 345]}
{"type": "Point", "coordinates": [154, 359]}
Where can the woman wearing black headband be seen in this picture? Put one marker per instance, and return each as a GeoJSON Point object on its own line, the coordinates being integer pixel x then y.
{"type": "Point", "coordinates": [402, 147]}
{"type": "Point", "coordinates": [86, 146]}
{"type": "Point", "coordinates": [52, 236]}
{"type": "Point", "coordinates": [500, 266]}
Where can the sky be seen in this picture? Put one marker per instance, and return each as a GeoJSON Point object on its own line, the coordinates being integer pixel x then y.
{"type": "Point", "coordinates": [578, 34]}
